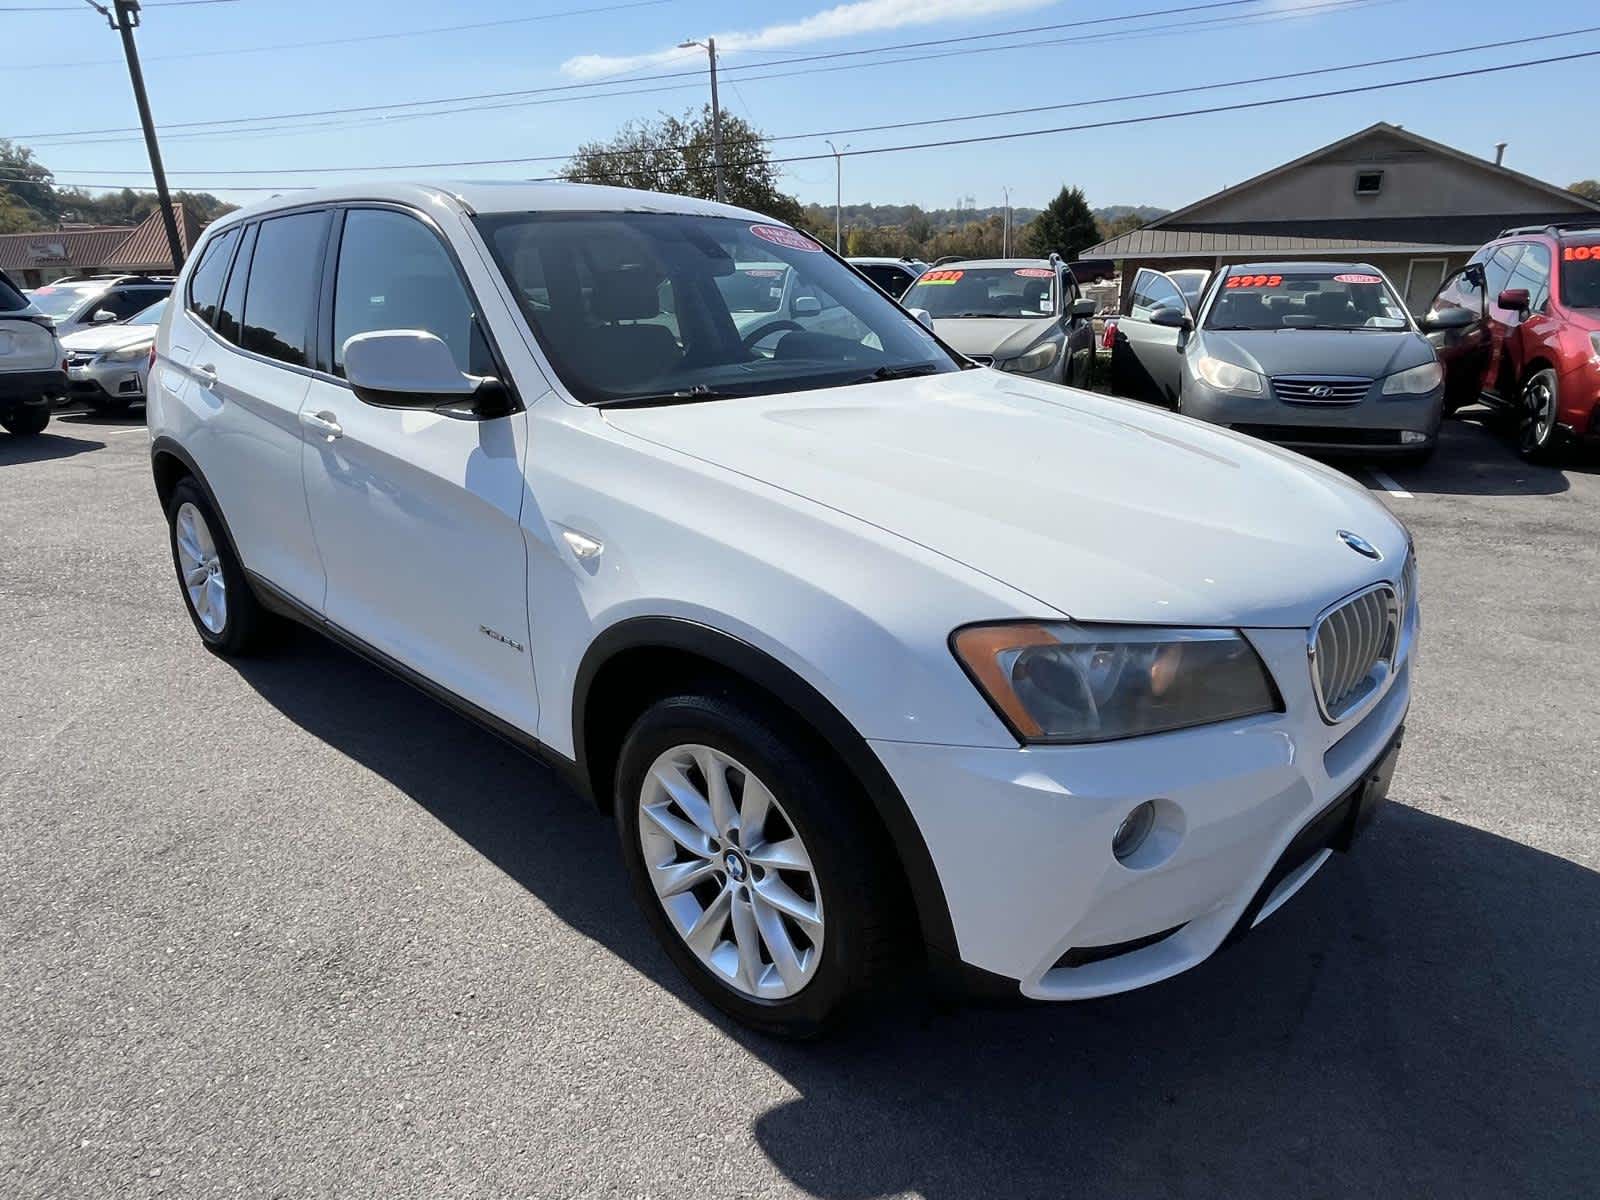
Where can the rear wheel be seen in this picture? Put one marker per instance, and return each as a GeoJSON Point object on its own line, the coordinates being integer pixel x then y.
{"type": "Point", "coordinates": [1538, 434]}
{"type": "Point", "coordinates": [26, 422]}
{"type": "Point", "coordinates": [222, 606]}
{"type": "Point", "coordinates": [754, 861]}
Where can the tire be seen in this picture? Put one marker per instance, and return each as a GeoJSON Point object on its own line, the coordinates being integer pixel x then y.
{"type": "Point", "coordinates": [27, 422]}
{"type": "Point", "coordinates": [223, 608]}
{"type": "Point", "coordinates": [815, 817]}
{"type": "Point", "coordinates": [1538, 434]}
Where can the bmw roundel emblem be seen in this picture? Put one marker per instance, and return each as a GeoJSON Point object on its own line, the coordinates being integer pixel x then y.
{"type": "Point", "coordinates": [1359, 544]}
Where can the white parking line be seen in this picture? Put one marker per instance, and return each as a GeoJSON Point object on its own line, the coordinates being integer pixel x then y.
{"type": "Point", "coordinates": [1390, 486]}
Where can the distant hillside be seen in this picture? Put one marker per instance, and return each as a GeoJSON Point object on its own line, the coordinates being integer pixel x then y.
{"type": "Point", "coordinates": [1145, 212]}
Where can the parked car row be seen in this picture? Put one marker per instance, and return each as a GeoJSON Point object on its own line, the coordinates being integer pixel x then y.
{"type": "Point", "coordinates": [1325, 357]}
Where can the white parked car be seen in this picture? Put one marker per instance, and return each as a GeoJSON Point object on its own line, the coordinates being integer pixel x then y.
{"type": "Point", "coordinates": [868, 652]}
{"type": "Point", "coordinates": [76, 304]}
{"type": "Point", "coordinates": [108, 364]}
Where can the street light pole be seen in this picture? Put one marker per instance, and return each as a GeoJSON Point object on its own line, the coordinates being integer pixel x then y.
{"type": "Point", "coordinates": [838, 196]}
{"type": "Point", "coordinates": [125, 20]}
{"type": "Point", "coordinates": [710, 47]}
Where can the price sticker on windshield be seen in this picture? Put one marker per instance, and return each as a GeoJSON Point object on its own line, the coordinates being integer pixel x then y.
{"type": "Point", "coordinates": [789, 239]}
{"type": "Point", "coordinates": [1253, 281]}
{"type": "Point", "coordinates": [1580, 254]}
{"type": "Point", "coordinates": [941, 276]}
{"type": "Point", "coordinates": [1357, 279]}
{"type": "Point", "coordinates": [1034, 272]}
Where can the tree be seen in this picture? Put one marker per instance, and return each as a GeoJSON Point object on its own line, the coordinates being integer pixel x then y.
{"type": "Point", "coordinates": [1066, 226]}
{"type": "Point", "coordinates": [25, 185]}
{"type": "Point", "coordinates": [1117, 226]}
{"type": "Point", "coordinates": [1589, 189]}
{"type": "Point", "coordinates": [674, 154]}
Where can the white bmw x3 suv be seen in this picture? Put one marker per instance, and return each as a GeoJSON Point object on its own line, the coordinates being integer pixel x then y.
{"type": "Point", "coordinates": [876, 656]}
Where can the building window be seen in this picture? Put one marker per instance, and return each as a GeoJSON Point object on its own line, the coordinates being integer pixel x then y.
{"type": "Point", "coordinates": [1369, 183]}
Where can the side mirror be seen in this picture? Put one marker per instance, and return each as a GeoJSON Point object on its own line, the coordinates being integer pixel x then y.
{"type": "Point", "coordinates": [103, 316]}
{"type": "Point", "coordinates": [409, 368]}
{"type": "Point", "coordinates": [1515, 299]}
{"type": "Point", "coordinates": [1450, 318]}
{"type": "Point", "coordinates": [923, 316]}
{"type": "Point", "coordinates": [1171, 317]}
{"type": "Point", "coordinates": [1083, 307]}
{"type": "Point", "coordinates": [805, 306]}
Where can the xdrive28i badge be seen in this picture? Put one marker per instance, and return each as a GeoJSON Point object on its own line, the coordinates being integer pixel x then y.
{"type": "Point", "coordinates": [1359, 544]}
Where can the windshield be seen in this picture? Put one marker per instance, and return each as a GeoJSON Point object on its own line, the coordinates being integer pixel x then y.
{"type": "Point", "coordinates": [59, 302]}
{"type": "Point", "coordinates": [984, 292]}
{"type": "Point", "coordinates": [1580, 275]}
{"type": "Point", "coordinates": [1342, 299]}
{"type": "Point", "coordinates": [664, 306]}
{"type": "Point", "coordinates": [148, 316]}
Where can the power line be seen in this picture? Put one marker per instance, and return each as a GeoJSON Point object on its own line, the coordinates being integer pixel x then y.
{"type": "Point", "coordinates": [696, 73]}
{"type": "Point", "coordinates": [823, 133]}
{"type": "Point", "coordinates": [34, 8]}
{"type": "Point", "coordinates": [1116, 122]}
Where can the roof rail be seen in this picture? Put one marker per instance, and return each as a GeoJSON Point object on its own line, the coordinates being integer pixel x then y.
{"type": "Point", "coordinates": [1552, 227]}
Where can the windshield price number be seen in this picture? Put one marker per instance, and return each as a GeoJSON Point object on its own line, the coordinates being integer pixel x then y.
{"type": "Point", "coordinates": [941, 276]}
{"type": "Point", "coordinates": [1580, 254]}
{"type": "Point", "coordinates": [1254, 281]}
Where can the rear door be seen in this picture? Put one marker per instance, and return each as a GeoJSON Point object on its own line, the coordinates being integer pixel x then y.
{"type": "Point", "coordinates": [418, 513]}
{"type": "Point", "coordinates": [1145, 360]}
{"type": "Point", "coordinates": [243, 353]}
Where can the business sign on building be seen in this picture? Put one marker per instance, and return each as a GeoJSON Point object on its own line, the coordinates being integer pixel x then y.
{"type": "Point", "coordinates": [46, 252]}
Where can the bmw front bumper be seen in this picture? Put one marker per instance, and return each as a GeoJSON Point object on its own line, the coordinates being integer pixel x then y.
{"type": "Point", "coordinates": [1021, 838]}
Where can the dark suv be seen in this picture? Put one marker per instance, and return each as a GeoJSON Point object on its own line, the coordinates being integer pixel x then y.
{"type": "Point", "coordinates": [1519, 328]}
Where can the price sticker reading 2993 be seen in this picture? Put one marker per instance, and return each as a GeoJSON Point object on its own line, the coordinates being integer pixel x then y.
{"type": "Point", "coordinates": [1253, 281]}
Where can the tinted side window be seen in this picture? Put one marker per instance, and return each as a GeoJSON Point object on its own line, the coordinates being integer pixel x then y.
{"type": "Point", "coordinates": [394, 273]}
{"type": "Point", "coordinates": [11, 300]}
{"type": "Point", "coordinates": [233, 299]}
{"type": "Point", "coordinates": [1152, 291]}
{"type": "Point", "coordinates": [1533, 272]}
{"type": "Point", "coordinates": [1498, 269]}
{"type": "Point", "coordinates": [281, 293]}
{"type": "Point", "coordinates": [206, 282]}
{"type": "Point", "coordinates": [1458, 292]}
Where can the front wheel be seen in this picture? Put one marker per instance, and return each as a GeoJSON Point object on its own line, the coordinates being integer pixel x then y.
{"type": "Point", "coordinates": [1538, 434]}
{"type": "Point", "coordinates": [27, 422]}
{"type": "Point", "coordinates": [756, 864]}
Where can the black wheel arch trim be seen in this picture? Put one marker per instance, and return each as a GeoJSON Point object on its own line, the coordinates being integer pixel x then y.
{"type": "Point", "coordinates": [166, 445]}
{"type": "Point", "coordinates": [760, 668]}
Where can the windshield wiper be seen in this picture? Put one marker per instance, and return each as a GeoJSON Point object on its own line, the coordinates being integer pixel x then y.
{"type": "Point", "coordinates": [885, 373]}
{"type": "Point", "coordinates": [693, 395]}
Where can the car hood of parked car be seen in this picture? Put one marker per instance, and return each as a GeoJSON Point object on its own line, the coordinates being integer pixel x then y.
{"type": "Point", "coordinates": [108, 337]}
{"type": "Point", "coordinates": [995, 337]}
{"type": "Point", "coordinates": [1102, 509]}
{"type": "Point", "coordinates": [1367, 353]}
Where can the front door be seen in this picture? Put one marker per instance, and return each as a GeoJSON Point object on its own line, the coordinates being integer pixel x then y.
{"type": "Point", "coordinates": [417, 513]}
{"type": "Point", "coordinates": [1145, 358]}
{"type": "Point", "coordinates": [1462, 350]}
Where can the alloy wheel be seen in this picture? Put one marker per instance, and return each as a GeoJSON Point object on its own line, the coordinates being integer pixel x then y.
{"type": "Point", "coordinates": [731, 872]}
{"type": "Point", "coordinates": [1539, 413]}
{"type": "Point", "coordinates": [201, 567]}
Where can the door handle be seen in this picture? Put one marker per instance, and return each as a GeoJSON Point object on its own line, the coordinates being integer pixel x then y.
{"type": "Point", "coordinates": [206, 374]}
{"type": "Point", "coordinates": [324, 423]}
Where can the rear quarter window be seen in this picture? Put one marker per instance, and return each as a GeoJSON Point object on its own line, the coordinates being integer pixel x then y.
{"type": "Point", "coordinates": [205, 284]}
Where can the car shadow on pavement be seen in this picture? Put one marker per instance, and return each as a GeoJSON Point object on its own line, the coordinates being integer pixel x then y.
{"type": "Point", "coordinates": [1419, 1021]}
{"type": "Point", "coordinates": [42, 447]}
{"type": "Point", "coordinates": [1477, 457]}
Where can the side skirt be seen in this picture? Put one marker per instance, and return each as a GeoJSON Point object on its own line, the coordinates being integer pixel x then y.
{"type": "Point", "coordinates": [276, 600]}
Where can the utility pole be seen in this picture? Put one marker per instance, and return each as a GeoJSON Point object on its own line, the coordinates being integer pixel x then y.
{"type": "Point", "coordinates": [838, 196]}
{"type": "Point", "coordinates": [1005, 227]}
{"type": "Point", "coordinates": [710, 47]}
{"type": "Point", "coordinates": [125, 20]}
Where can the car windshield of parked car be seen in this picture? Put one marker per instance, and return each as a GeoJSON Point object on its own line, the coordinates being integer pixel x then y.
{"type": "Point", "coordinates": [1341, 299]}
{"type": "Point", "coordinates": [148, 316]}
{"type": "Point", "coordinates": [60, 302]}
{"type": "Point", "coordinates": [655, 307]}
{"type": "Point", "coordinates": [958, 291]}
{"type": "Point", "coordinates": [1580, 275]}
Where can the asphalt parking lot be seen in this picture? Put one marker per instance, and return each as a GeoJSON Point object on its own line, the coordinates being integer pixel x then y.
{"type": "Point", "coordinates": [288, 928]}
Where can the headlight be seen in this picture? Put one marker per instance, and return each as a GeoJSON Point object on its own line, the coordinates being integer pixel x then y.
{"type": "Point", "coordinates": [1057, 682]}
{"type": "Point", "coordinates": [1417, 381]}
{"type": "Point", "coordinates": [1227, 377]}
{"type": "Point", "coordinates": [131, 353]}
{"type": "Point", "coordinates": [1036, 359]}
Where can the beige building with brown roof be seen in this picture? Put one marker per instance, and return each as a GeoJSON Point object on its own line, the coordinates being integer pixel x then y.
{"type": "Point", "coordinates": [36, 258]}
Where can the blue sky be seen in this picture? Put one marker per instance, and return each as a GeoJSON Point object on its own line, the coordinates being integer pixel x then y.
{"type": "Point", "coordinates": [195, 73]}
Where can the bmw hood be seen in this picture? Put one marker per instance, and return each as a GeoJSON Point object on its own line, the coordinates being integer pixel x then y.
{"type": "Point", "coordinates": [1361, 352]}
{"type": "Point", "coordinates": [992, 337]}
{"type": "Point", "coordinates": [108, 337]}
{"type": "Point", "coordinates": [1102, 509]}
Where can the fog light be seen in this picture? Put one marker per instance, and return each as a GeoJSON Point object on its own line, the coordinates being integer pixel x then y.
{"type": "Point", "coordinates": [1411, 437]}
{"type": "Point", "coordinates": [1135, 827]}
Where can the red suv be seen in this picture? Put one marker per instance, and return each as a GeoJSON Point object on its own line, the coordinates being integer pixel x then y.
{"type": "Point", "coordinates": [1519, 328]}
